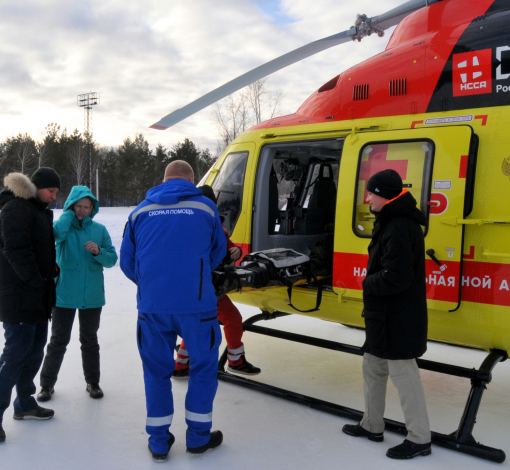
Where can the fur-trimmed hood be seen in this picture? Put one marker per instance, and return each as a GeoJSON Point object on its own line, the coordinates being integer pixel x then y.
{"type": "Point", "coordinates": [20, 185]}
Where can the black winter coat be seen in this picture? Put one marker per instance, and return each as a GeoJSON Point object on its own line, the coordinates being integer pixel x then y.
{"type": "Point", "coordinates": [27, 253]}
{"type": "Point", "coordinates": [394, 290]}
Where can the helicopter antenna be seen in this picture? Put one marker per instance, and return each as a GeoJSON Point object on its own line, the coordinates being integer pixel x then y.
{"type": "Point", "coordinates": [364, 26]}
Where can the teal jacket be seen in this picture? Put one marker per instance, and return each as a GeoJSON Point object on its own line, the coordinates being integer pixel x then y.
{"type": "Point", "coordinates": [81, 282]}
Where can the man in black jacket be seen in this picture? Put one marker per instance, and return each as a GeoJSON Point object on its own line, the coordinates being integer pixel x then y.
{"type": "Point", "coordinates": [395, 312]}
{"type": "Point", "coordinates": [27, 288]}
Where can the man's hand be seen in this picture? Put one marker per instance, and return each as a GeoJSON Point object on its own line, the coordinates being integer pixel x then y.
{"type": "Point", "coordinates": [235, 253]}
{"type": "Point", "coordinates": [92, 247]}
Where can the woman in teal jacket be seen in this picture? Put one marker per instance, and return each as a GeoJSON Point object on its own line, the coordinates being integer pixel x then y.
{"type": "Point", "coordinates": [84, 248]}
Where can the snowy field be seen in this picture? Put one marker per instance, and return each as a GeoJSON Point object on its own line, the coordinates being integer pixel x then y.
{"type": "Point", "coordinates": [260, 432]}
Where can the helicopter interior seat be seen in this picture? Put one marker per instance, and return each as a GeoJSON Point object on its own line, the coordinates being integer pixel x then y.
{"type": "Point", "coordinates": [320, 213]}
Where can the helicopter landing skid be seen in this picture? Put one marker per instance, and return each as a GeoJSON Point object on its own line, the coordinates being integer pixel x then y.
{"type": "Point", "coordinates": [461, 440]}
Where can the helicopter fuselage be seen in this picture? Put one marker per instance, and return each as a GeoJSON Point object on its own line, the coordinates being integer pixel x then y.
{"type": "Point", "coordinates": [435, 106]}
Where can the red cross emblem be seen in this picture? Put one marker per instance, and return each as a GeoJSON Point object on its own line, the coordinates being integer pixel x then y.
{"type": "Point", "coordinates": [472, 74]}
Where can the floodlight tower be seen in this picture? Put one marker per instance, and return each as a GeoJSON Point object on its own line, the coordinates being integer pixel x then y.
{"type": "Point", "coordinates": [86, 101]}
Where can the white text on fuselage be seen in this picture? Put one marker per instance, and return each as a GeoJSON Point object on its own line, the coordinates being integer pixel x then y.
{"type": "Point", "coordinates": [473, 85]}
{"type": "Point", "coordinates": [170, 212]}
{"type": "Point", "coordinates": [484, 282]}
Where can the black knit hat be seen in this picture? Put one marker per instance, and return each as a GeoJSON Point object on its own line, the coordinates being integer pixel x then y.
{"type": "Point", "coordinates": [386, 183]}
{"type": "Point", "coordinates": [208, 192]}
{"type": "Point", "coordinates": [46, 178]}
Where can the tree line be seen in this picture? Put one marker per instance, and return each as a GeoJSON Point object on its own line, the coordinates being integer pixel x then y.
{"type": "Point", "coordinates": [124, 173]}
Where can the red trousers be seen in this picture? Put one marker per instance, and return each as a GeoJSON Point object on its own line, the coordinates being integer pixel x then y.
{"type": "Point", "coordinates": [229, 315]}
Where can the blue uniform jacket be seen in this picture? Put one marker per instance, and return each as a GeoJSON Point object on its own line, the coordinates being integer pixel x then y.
{"type": "Point", "coordinates": [172, 242]}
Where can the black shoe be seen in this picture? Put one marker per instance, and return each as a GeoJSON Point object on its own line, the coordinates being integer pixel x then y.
{"type": "Point", "coordinates": [2, 434]}
{"type": "Point", "coordinates": [215, 440]}
{"type": "Point", "coordinates": [357, 430]}
{"type": "Point", "coordinates": [181, 374]}
{"type": "Point", "coordinates": [45, 394]}
{"type": "Point", "coordinates": [244, 368]}
{"type": "Point", "coordinates": [94, 390]}
{"type": "Point", "coordinates": [408, 450]}
{"type": "Point", "coordinates": [163, 457]}
{"type": "Point", "coordinates": [37, 413]}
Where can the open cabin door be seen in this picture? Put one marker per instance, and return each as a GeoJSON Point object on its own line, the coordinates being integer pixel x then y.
{"type": "Point", "coordinates": [434, 164]}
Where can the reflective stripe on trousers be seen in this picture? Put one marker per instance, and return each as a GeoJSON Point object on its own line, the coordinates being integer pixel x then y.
{"type": "Point", "coordinates": [164, 421]}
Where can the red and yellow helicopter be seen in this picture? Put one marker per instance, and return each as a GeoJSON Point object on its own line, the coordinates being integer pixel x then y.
{"type": "Point", "coordinates": [434, 106]}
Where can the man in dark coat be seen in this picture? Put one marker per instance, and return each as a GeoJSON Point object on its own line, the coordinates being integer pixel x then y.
{"type": "Point", "coordinates": [27, 288]}
{"type": "Point", "coordinates": [395, 312]}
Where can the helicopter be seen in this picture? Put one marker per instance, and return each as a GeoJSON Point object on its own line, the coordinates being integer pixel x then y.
{"type": "Point", "coordinates": [435, 107]}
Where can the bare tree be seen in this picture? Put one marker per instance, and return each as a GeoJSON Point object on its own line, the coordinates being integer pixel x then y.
{"type": "Point", "coordinates": [265, 104]}
{"type": "Point", "coordinates": [43, 148]}
{"type": "Point", "coordinates": [232, 116]}
{"type": "Point", "coordinates": [241, 110]}
{"type": "Point", "coordinates": [42, 153]}
{"type": "Point", "coordinates": [78, 160]}
{"type": "Point", "coordinates": [25, 151]}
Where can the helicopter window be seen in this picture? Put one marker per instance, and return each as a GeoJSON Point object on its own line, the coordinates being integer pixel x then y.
{"type": "Point", "coordinates": [228, 188]}
{"type": "Point", "coordinates": [411, 159]}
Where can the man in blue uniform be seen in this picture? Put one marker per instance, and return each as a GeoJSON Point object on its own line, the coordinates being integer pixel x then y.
{"type": "Point", "coordinates": [172, 242]}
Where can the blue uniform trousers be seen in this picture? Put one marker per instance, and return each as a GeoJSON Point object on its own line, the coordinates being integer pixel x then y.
{"type": "Point", "coordinates": [157, 335]}
{"type": "Point", "coordinates": [21, 358]}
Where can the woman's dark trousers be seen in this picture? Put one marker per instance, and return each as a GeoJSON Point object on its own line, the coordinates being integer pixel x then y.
{"type": "Point", "coordinates": [62, 324]}
{"type": "Point", "coordinates": [19, 363]}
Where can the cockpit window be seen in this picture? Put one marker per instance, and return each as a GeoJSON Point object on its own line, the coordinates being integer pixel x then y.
{"type": "Point", "coordinates": [228, 188]}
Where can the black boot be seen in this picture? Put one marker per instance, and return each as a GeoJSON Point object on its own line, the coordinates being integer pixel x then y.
{"type": "Point", "coordinates": [37, 413]}
{"type": "Point", "coordinates": [408, 450]}
{"type": "Point", "coordinates": [163, 457]}
{"type": "Point", "coordinates": [2, 434]}
{"type": "Point", "coordinates": [357, 430]}
{"type": "Point", "coordinates": [244, 368]}
{"type": "Point", "coordinates": [45, 394]}
{"type": "Point", "coordinates": [94, 390]}
{"type": "Point", "coordinates": [215, 440]}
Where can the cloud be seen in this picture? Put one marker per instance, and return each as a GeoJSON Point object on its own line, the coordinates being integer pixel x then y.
{"type": "Point", "coordinates": [149, 58]}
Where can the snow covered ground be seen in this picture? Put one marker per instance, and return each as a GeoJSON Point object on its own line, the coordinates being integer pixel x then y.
{"type": "Point", "coordinates": [260, 432]}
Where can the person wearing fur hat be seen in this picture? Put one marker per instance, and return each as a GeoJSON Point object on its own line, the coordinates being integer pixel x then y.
{"type": "Point", "coordinates": [84, 248]}
{"type": "Point", "coordinates": [27, 288]}
{"type": "Point", "coordinates": [395, 312]}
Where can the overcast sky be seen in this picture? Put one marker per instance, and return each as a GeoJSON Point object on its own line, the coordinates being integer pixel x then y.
{"type": "Point", "coordinates": [150, 57]}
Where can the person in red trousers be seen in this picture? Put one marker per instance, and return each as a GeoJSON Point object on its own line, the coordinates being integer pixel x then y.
{"type": "Point", "coordinates": [229, 316]}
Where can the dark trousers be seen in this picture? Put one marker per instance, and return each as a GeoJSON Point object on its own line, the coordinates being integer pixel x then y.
{"type": "Point", "coordinates": [61, 327]}
{"type": "Point", "coordinates": [19, 363]}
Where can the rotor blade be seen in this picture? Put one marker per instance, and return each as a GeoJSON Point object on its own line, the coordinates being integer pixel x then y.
{"type": "Point", "coordinates": [395, 16]}
{"type": "Point", "coordinates": [381, 22]}
{"type": "Point", "coordinates": [254, 75]}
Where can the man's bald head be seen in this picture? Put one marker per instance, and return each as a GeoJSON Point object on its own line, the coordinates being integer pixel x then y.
{"type": "Point", "coordinates": [179, 170]}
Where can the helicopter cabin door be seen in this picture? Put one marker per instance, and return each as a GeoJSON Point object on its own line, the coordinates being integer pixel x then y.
{"type": "Point", "coordinates": [437, 167]}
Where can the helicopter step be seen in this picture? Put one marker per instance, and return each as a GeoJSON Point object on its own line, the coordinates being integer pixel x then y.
{"type": "Point", "coordinates": [460, 440]}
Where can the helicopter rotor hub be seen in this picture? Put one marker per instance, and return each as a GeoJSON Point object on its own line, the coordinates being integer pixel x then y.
{"type": "Point", "coordinates": [366, 26]}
